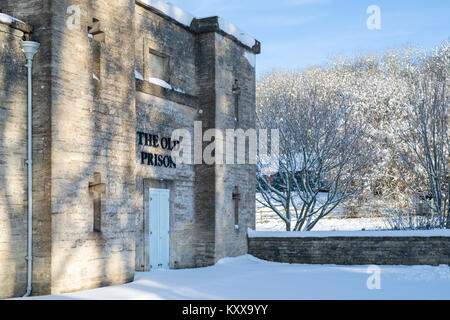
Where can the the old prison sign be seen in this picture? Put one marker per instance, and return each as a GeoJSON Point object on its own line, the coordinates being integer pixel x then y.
{"type": "Point", "coordinates": [155, 141]}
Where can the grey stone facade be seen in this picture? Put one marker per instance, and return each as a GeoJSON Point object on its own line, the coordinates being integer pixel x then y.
{"type": "Point", "coordinates": [87, 108]}
{"type": "Point", "coordinates": [382, 250]}
{"type": "Point", "coordinates": [13, 170]}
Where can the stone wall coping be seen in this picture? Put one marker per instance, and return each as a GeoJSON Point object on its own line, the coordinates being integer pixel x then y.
{"type": "Point", "coordinates": [193, 24]}
{"type": "Point", "coordinates": [170, 10]}
{"type": "Point", "coordinates": [15, 23]}
{"type": "Point", "coordinates": [349, 234]}
{"type": "Point", "coordinates": [227, 29]}
{"type": "Point", "coordinates": [171, 95]}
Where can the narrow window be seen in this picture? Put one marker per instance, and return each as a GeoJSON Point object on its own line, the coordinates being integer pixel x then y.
{"type": "Point", "coordinates": [236, 198]}
{"type": "Point", "coordinates": [236, 95]}
{"type": "Point", "coordinates": [96, 38]}
{"type": "Point", "coordinates": [97, 188]}
{"type": "Point", "coordinates": [158, 65]}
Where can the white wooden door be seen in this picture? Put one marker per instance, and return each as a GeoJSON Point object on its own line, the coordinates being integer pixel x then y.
{"type": "Point", "coordinates": [159, 237]}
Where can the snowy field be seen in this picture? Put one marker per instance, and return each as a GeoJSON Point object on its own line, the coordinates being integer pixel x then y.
{"type": "Point", "coordinates": [267, 220]}
{"type": "Point", "coordinates": [247, 277]}
{"type": "Point", "coordinates": [274, 223]}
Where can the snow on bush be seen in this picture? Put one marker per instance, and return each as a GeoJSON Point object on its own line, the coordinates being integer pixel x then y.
{"type": "Point", "coordinates": [400, 98]}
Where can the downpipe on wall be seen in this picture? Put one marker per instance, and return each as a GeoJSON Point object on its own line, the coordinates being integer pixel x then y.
{"type": "Point", "coordinates": [30, 48]}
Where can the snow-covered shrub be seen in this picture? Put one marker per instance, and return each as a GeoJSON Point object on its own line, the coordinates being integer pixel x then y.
{"type": "Point", "coordinates": [409, 220]}
{"type": "Point", "coordinates": [400, 98]}
{"type": "Point", "coordinates": [322, 154]}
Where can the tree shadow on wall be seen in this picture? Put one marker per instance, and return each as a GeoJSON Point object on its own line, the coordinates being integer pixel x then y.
{"type": "Point", "coordinates": [13, 170]}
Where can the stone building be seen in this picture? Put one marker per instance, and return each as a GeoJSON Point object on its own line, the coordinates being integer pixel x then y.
{"type": "Point", "coordinates": [111, 81]}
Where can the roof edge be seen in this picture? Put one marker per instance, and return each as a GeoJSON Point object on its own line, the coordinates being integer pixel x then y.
{"type": "Point", "coordinates": [15, 23]}
{"type": "Point", "coordinates": [211, 24]}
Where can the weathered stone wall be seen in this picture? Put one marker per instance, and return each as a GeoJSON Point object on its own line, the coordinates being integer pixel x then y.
{"type": "Point", "coordinates": [82, 126]}
{"type": "Point", "coordinates": [160, 111]}
{"type": "Point", "coordinates": [154, 32]}
{"type": "Point", "coordinates": [232, 64]}
{"type": "Point", "coordinates": [86, 113]}
{"type": "Point", "coordinates": [37, 13]}
{"type": "Point", "coordinates": [220, 62]}
{"type": "Point", "coordinates": [205, 191]}
{"type": "Point", "coordinates": [158, 116]}
{"type": "Point", "coordinates": [13, 169]}
{"type": "Point", "coordinates": [93, 130]}
{"type": "Point", "coordinates": [205, 64]}
{"type": "Point", "coordinates": [353, 250]}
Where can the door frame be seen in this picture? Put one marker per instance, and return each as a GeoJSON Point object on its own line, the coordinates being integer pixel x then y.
{"type": "Point", "coordinates": [155, 192]}
{"type": "Point", "coordinates": [145, 235]}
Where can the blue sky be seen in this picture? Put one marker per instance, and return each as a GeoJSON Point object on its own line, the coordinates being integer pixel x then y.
{"type": "Point", "coordinates": [300, 33]}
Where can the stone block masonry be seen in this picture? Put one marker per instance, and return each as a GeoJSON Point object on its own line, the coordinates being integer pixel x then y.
{"type": "Point", "coordinates": [379, 248]}
{"type": "Point", "coordinates": [111, 81]}
{"type": "Point", "coordinates": [13, 153]}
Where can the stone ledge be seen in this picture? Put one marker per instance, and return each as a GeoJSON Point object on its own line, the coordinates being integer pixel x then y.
{"type": "Point", "coordinates": [15, 23]}
{"type": "Point", "coordinates": [213, 24]}
{"type": "Point", "coordinates": [171, 95]}
{"type": "Point", "coordinates": [204, 25]}
{"type": "Point", "coordinates": [351, 238]}
{"type": "Point", "coordinates": [349, 234]}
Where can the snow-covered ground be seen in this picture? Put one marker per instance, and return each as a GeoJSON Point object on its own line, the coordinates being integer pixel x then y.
{"type": "Point", "coordinates": [324, 234]}
{"type": "Point", "coordinates": [267, 220]}
{"type": "Point", "coordinates": [247, 277]}
{"type": "Point", "coordinates": [274, 223]}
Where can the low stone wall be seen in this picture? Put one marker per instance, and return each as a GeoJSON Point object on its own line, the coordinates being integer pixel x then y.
{"type": "Point", "coordinates": [353, 248]}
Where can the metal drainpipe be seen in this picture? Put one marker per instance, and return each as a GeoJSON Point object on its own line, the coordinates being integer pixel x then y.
{"type": "Point", "coordinates": [30, 48]}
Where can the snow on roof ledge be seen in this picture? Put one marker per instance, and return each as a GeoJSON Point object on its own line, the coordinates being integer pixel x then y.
{"type": "Point", "coordinates": [326, 234]}
{"type": "Point", "coordinates": [4, 18]}
{"type": "Point", "coordinates": [240, 35]}
{"type": "Point", "coordinates": [14, 23]}
{"type": "Point", "coordinates": [172, 11]}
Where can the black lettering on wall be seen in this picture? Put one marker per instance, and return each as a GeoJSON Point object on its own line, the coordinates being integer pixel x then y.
{"type": "Point", "coordinates": [153, 159]}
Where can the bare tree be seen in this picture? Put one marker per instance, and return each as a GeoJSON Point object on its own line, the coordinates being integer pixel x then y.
{"type": "Point", "coordinates": [424, 152]}
{"type": "Point", "coordinates": [274, 179]}
{"type": "Point", "coordinates": [321, 154]}
{"type": "Point", "coordinates": [401, 102]}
